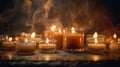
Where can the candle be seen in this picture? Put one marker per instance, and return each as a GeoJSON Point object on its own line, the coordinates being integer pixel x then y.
{"type": "Point", "coordinates": [50, 33]}
{"type": "Point", "coordinates": [114, 45]}
{"type": "Point", "coordinates": [58, 36]}
{"type": "Point", "coordinates": [96, 42]}
{"type": "Point", "coordinates": [47, 47]}
{"type": "Point", "coordinates": [74, 41]}
{"type": "Point", "coordinates": [27, 47]}
{"type": "Point", "coordinates": [9, 44]}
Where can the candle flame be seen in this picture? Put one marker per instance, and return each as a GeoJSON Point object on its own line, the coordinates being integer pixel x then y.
{"type": "Point", "coordinates": [10, 39]}
{"type": "Point", "coordinates": [53, 28]}
{"type": "Point", "coordinates": [114, 35]}
{"type": "Point", "coordinates": [47, 41]}
{"type": "Point", "coordinates": [33, 35]}
{"type": "Point", "coordinates": [73, 30]}
{"type": "Point", "coordinates": [59, 30]}
{"type": "Point", "coordinates": [26, 40]}
{"type": "Point", "coordinates": [95, 37]}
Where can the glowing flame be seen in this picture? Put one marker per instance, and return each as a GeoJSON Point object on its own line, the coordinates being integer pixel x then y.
{"type": "Point", "coordinates": [73, 30]}
{"type": "Point", "coordinates": [53, 28]}
{"type": "Point", "coordinates": [114, 35]}
{"type": "Point", "coordinates": [59, 30]}
{"type": "Point", "coordinates": [33, 35]}
{"type": "Point", "coordinates": [26, 40]}
{"type": "Point", "coordinates": [47, 41]}
{"type": "Point", "coordinates": [95, 37]}
{"type": "Point", "coordinates": [10, 39]}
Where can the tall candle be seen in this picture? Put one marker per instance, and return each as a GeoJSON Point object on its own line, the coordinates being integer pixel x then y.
{"type": "Point", "coordinates": [74, 40]}
{"type": "Point", "coordinates": [58, 36]}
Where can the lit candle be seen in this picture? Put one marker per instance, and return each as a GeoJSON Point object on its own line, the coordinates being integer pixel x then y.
{"type": "Point", "coordinates": [98, 42]}
{"type": "Point", "coordinates": [33, 35]}
{"type": "Point", "coordinates": [95, 36]}
{"type": "Point", "coordinates": [74, 41]}
{"type": "Point", "coordinates": [114, 45]}
{"type": "Point", "coordinates": [50, 33]}
{"type": "Point", "coordinates": [47, 47]}
{"type": "Point", "coordinates": [9, 44]}
{"type": "Point", "coordinates": [26, 47]}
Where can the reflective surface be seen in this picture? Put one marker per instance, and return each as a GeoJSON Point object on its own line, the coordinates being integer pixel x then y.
{"type": "Point", "coordinates": [59, 56]}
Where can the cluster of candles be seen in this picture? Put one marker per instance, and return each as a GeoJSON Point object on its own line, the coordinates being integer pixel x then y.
{"type": "Point", "coordinates": [57, 38]}
{"type": "Point", "coordinates": [96, 41]}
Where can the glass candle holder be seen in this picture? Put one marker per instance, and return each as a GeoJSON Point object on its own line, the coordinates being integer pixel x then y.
{"type": "Point", "coordinates": [73, 40]}
{"type": "Point", "coordinates": [25, 47]}
{"type": "Point", "coordinates": [8, 44]}
{"type": "Point", "coordinates": [96, 43]}
{"type": "Point", "coordinates": [47, 46]}
{"type": "Point", "coordinates": [58, 36]}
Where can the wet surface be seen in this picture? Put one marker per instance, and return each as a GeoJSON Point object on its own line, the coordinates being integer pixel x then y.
{"type": "Point", "coordinates": [59, 56]}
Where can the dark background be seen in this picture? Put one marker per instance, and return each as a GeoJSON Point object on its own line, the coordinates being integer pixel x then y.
{"type": "Point", "coordinates": [105, 13]}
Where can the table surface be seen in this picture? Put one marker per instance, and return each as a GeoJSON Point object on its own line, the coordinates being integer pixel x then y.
{"type": "Point", "coordinates": [60, 58]}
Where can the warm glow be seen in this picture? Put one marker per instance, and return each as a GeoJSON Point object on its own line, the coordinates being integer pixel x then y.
{"type": "Point", "coordinates": [119, 40]}
{"type": "Point", "coordinates": [10, 39]}
{"type": "Point", "coordinates": [47, 41]}
{"type": "Point", "coordinates": [96, 41]}
{"type": "Point", "coordinates": [63, 31]}
{"type": "Point", "coordinates": [95, 35]}
{"type": "Point", "coordinates": [95, 58]}
{"type": "Point", "coordinates": [73, 30]}
{"type": "Point", "coordinates": [59, 30]}
{"type": "Point", "coordinates": [17, 38]}
{"type": "Point", "coordinates": [115, 36]}
{"type": "Point", "coordinates": [47, 57]}
{"type": "Point", "coordinates": [26, 40]}
{"type": "Point", "coordinates": [9, 56]}
{"type": "Point", "coordinates": [53, 28]}
{"type": "Point", "coordinates": [7, 37]}
{"type": "Point", "coordinates": [33, 35]}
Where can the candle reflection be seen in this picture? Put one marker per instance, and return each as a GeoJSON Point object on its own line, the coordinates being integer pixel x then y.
{"type": "Point", "coordinates": [47, 57]}
{"type": "Point", "coordinates": [9, 55]}
{"type": "Point", "coordinates": [96, 58]}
